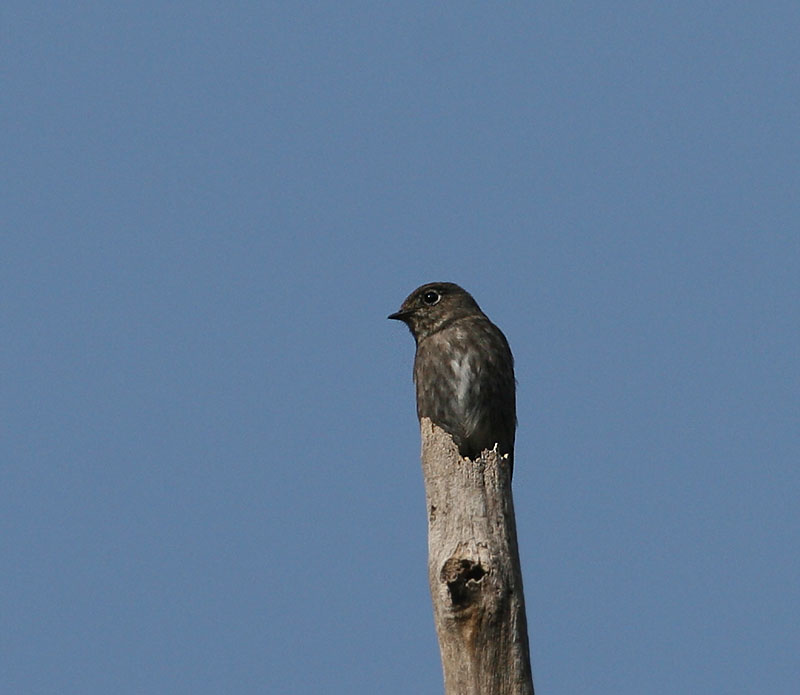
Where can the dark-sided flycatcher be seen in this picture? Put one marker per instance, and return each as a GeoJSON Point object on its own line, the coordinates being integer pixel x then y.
{"type": "Point", "coordinates": [463, 369]}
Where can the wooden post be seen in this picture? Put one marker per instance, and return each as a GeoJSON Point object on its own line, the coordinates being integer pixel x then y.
{"type": "Point", "coordinates": [474, 571]}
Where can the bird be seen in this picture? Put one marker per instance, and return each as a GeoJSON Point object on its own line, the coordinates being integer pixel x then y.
{"type": "Point", "coordinates": [463, 369]}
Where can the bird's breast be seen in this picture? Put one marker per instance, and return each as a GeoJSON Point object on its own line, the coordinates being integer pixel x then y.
{"type": "Point", "coordinates": [465, 374]}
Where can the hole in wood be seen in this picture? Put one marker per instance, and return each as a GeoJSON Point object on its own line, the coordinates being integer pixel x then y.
{"type": "Point", "coordinates": [462, 578]}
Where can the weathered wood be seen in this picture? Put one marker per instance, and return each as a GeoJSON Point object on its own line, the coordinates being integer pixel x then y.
{"type": "Point", "coordinates": [474, 571]}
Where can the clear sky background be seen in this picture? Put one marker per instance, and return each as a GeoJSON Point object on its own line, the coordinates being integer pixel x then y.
{"type": "Point", "coordinates": [210, 476]}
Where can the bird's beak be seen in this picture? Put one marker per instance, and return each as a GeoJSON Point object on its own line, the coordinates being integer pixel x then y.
{"type": "Point", "coordinates": [399, 315]}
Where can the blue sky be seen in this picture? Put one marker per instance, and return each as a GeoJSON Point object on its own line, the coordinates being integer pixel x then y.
{"type": "Point", "coordinates": [210, 478]}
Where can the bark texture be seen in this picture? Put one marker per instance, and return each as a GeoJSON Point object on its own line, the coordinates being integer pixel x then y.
{"type": "Point", "coordinates": [474, 570]}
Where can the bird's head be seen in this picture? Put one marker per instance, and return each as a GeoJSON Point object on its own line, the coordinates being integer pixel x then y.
{"type": "Point", "coordinates": [431, 307]}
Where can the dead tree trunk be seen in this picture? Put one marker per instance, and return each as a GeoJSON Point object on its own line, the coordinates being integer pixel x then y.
{"type": "Point", "coordinates": [474, 571]}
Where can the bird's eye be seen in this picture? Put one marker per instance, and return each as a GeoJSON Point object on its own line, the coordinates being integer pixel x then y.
{"type": "Point", "coordinates": [431, 297]}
